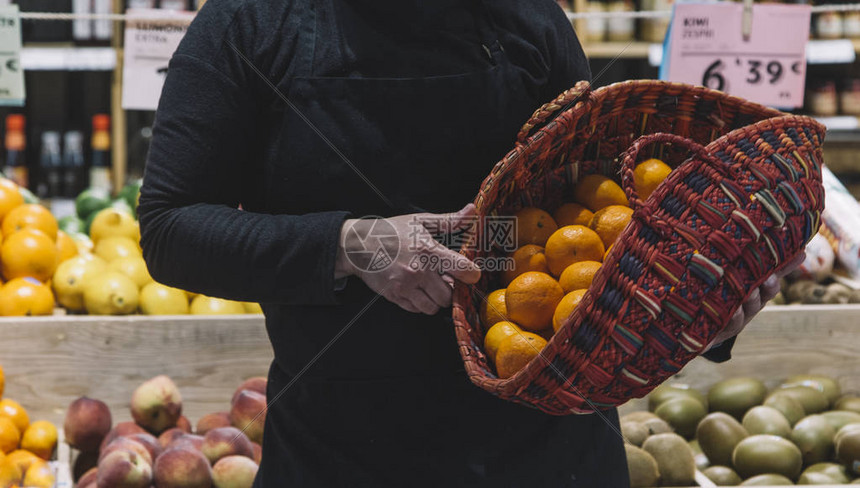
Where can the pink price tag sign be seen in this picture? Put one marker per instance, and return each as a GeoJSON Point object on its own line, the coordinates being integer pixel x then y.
{"type": "Point", "coordinates": [707, 47]}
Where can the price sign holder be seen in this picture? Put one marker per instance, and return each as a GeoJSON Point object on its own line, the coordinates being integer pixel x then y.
{"type": "Point", "coordinates": [706, 45]}
{"type": "Point", "coordinates": [151, 38]}
{"type": "Point", "coordinates": [11, 74]}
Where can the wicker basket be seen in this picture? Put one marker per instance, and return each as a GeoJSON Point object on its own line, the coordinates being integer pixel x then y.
{"type": "Point", "coordinates": [744, 197]}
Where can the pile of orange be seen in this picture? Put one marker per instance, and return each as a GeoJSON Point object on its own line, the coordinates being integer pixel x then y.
{"type": "Point", "coordinates": [558, 257]}
{"type": "Point", "coordinates": [25, 447]}
{"type": "Point", "coordinates": [31, 247]}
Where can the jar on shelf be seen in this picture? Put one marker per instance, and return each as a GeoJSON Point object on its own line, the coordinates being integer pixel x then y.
{"type": "Point", "coordinates": [595, 27]}
{"type": "Point", "coordinates": [851, 24]}
{"type": "Point", "coordinates": [654, 30]}
{"type": "Point", "coordinates": [822, 98]}
{"type": "Point", "coordinates": [621, 29]}
{"type": "Point", "coordinates": [849, 97]}
{"type": "Point", "coordinates": [828, 25]}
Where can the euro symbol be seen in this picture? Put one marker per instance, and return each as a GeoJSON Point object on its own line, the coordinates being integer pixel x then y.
{"type": "Point", "coordinates": [12, 65]}
{"type": "Point", "coordinates": [796, 67]}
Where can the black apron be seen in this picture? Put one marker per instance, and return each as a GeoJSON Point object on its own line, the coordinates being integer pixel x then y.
{"type": "Point", "coordinates": [388, 404]}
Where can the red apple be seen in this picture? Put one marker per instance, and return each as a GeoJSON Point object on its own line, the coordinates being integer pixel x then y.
{"type": "Point", "coordinates": [234, 472]}
{"type": "Point", "coordinates": [124, 469]}
{"type": "Point", "coordinates": [156, 405]}
{"type": "Point", "coordinates": [213, 421]}
{"type": "Point", "coordinates": [226, 441]}
{"type": "Point", "coordinates": [182, 467]}
{"type": "Point", "coordinates": [249, 414]}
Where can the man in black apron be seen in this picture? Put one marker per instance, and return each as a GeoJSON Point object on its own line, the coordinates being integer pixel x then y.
{"type": "Point", "coordinates": [420, 99]}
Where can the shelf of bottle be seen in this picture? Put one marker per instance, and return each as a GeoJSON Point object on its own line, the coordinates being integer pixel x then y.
{"type": "Point", "coordinates": [64, 57]}
{"type": "Point", "coordinates": [819, 51]}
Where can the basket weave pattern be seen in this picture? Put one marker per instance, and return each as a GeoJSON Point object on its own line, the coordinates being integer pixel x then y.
{"type": "Point", "coordinates": [744, 197]}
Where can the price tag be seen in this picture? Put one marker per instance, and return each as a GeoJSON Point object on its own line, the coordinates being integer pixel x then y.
{"type": "Point", "coordinates": [706, 47]}
{"type": "Point", "coordinates": [151, 38]}
{"type": "Point", "coordinates": [11, 73]}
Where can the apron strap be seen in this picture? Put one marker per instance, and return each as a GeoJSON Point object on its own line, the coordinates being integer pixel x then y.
{"type": "Point", "coordinates": [306, 42]}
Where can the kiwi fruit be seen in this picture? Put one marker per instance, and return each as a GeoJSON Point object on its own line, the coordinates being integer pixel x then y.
{"type": "Point", "coordinates": [814, 437]}
{"type": "Point", "coordinates": [812, 399]}
{"type": "Point", "coordinates": [683, 414]}
{"type": "Point", "coordinates": [766, 420]}
{"type": "Point", "coordinates": [763, 454]}
{"type": "Point", "coordinates": [848, 402]}
{"type": "Point", "coordinates": [848, 449]}
{"type": "Point", "coordinates": [718, 434]}
{"type": "Point", "coordinates": [657, 426]}
{"type": "Point", "coordinates": [836, 472]}
{"type": "Point", "coordinates": [769, 479]}
{"type": "Point", "coordinates": [674, 459]}
{"type": "Point", "coordinates": [825, 384]}
{"type": "Point", "coordinates": [634, 432]}
{"type": "Point", "coordinates": [736, 395]}
{"type": "Point", "coordinates": [641, 467]}
{"type": "Point", "coordinates": [668, 391]}
{"type": "Point", "coordinates": [722, 476]}
{"type": "Point", "coordinates": [841, 418]}
{"type": "Point", "coordinates": [638, 416]}
{"type": "Point", "coordinates": [815, 479]}
{"type": "Point", "coordinates": [702, 461]}
{"type": "Point", "coordinates": [790, 408]}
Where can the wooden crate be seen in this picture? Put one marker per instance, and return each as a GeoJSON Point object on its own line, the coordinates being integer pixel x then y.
{"type": "Point", "coordinates": [53, 360]}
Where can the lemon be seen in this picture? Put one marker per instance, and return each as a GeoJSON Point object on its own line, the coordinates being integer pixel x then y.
{"type": "Point", "coordinates": [253, 308]}
{"type": "Point", "coordinates": [71, 277]}
{"type": "Point", "coordinates": [158, 299]}
{"type": "Point", "coordinates": [203, 305]}
{"type": "Point", "coordinates": [135, 268]}
{"type": "Point", "coordinates": [115, 247]}
{"type": "Point", "coordinates": [113, 222]}
{"type": "Point", "coordinates": [110, 293]}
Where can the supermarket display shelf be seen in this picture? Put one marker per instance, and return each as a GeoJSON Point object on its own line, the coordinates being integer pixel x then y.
{"type": "Point", "coordinates": [59, 57]}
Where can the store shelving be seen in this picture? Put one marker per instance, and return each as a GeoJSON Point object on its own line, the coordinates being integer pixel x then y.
{"type": "Point", "coordinates": [52, 57]}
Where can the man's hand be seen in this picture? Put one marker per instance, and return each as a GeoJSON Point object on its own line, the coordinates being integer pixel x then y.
{"type": "Point", "coordinates": [421, 275]}
{"type": "Point", "coordinates": [757, 300]}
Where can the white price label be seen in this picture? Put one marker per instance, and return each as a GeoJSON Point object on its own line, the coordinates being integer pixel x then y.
{"type": "Point", "coordinates": [11, 73]}
{"type": "Point", "coordinates": [151, 38]}
{"type": "Point", "coordinates": [707, 47]}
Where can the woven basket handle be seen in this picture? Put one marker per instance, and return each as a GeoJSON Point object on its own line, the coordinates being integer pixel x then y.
{"type": "Point", "coordinates": [550, 110]}
{"type": "Point", "coordinates": [631, 157]}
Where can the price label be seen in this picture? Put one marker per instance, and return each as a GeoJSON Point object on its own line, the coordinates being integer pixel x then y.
{"type": "Point", "coordinates": [151, 38]}
{"type": "Point", "coordinates": [11, 74]}
{"type": "Point", "coordinates": [706, 46]}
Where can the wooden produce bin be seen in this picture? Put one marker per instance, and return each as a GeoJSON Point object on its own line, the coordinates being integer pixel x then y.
{"type": "Point", "coordinates": [51, 361]}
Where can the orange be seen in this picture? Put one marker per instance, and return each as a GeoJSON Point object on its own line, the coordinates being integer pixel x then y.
{"type": "Point", "coordinates": [578, 276]}
{"type": "Point", "coordinates": [516, 351]}
{"type": "Point", "coordinates": [25, 297]}
{"type": "Point", "coordinates": [22, 459]}
{"type": "Point", "coordinates": [6, 183]}
{"type": "Point", "coordinates": [66, 247]}
{"type": "Point", "coordinates": [610, 221]}
{"type": "Point", "coordinates": [2, 381]}
{"type": "Point", "coordinates": [572, 214]}
{"type": "Point", "coordinates": [648, 175]}
{"type": "Point", "coordinates": [531, 300]}
{"type": "Point", "coordinates": [493, 310]}
{"type": "Point", "coordinates": [40, 438]}
{"type": "Point", "coordinates": [566, 307]}
{"type": "Point", "coordinates": [9, 199]}
{"type": "Point", "coordinates": [10, 475]}
{"type": "Point", "coordinates": [598, 191]}
{"type": "Point", "coordinates": [534, 226]}
{"type": "Point", "coordinates": [39, 475]}
{"type": "Point", "coordinates": [13, 410]}
{"type": "Point", "coordinates": [530, 257]}
{"type": "Point", "coordinates": [10, 436]}
{"type": "Point", "coordinates": [30, 216]}
{"type": "Point", "coordinates": [572, 244]}
{"type": "Point", "coordinates": [29, 252]}
{"type": "Point", "coordinates": [497, 333]}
